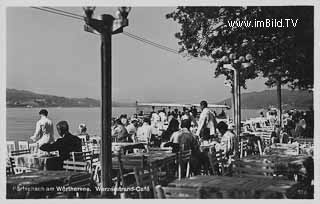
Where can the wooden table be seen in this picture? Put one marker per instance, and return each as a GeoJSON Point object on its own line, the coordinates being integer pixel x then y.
{"type": "Point", "coordinates": [126, 146]}
{"type": "Point", "coordinates": [152, 157]}
{"type": "Point", "coordinates": [33, 161]}
{"type": "Point", "coordinates": [39, 184]}
{"type": "Point", "coordinates": [236, 187]}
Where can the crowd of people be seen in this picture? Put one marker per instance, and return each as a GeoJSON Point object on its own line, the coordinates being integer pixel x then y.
{"type": "Point", "coordinates": [296, 124]}
{"type": "Point", "coordinates": [185, 130]}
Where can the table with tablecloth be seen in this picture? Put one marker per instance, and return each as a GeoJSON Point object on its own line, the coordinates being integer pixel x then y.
{"type": "Point", "coordinates": [236, 187]}
{"type": "Point", "coordinates": [35, 161]}
{"type": "Point", "coordinates": [40, 184]}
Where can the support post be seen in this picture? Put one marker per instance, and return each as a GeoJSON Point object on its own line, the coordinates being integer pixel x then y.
{"type": "Point", "coordinates": [236, 104]}
{"type": "Point", "coordinates": [106, 103]}
{"type": "Point", "coordinates": [279, 100]}
{"type": "Point", "coordinates": [239, 102]}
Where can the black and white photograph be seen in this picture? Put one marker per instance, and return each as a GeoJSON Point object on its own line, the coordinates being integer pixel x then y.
{"type": "Point", "coordinates": [173, 101]}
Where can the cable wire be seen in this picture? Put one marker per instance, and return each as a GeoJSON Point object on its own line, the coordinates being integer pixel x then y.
{"type": "Point", "coordinates": [59, 13]}
{"type": "Point", "coordinates": [141, 39]}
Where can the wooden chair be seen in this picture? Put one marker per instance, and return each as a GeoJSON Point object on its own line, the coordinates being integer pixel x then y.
{"type": "Point", "coordinates": [34, 148]}
{"type": "Point", "coordinates": [125, 167]}
{"type": "Point", "coordinates": [23, 145]}
{"type": "Point", "coordinates": [20, 152]}
{"type": "Point", "coordinates": [243, 147]}
{"type": "Point", "coordinates": [264, 168]}
{"type": "Point", "coordinates": [164, 149]}
{"type": "Point", "coordinates": [80, 166]}
{"type": "Point", "coordinates": [10, 166]}
{"type": "Point", "coordinates": [81, 180]}
{"type": "Point", "coordinates": [146, 178]}
{"type": "Point", "coordinates": [11, 146]}
{"type": "Point", "coordinates": [218, 161]}
{"type": "Point", "coordinates": [13, 169]}
{"type": "Point", "coordinates": [84, 157]}
{"type": "Point", "coordinates": [166, 170]}
{"type": "Point", "coordinates": [177, 193]}
{"type": "Point", "coordinates": [183, 158]}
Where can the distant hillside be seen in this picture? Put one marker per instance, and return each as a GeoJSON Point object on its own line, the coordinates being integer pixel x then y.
{"type": "Point", "coordinates": [22, 98]}
{"type": "Point", "coordinates": [264, 99]}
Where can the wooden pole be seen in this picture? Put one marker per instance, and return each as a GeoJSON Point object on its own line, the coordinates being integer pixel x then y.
{"type": "Point", "coordinates": [239, 102]}
{"type": "Point", "coordinates": [233, 102]}
{"type": "Point", "coordinates": [279, 100]}
{"type": "Point", "coordinates": [106, 103]}
{"type": "Point", "coordinates": [236, 105]}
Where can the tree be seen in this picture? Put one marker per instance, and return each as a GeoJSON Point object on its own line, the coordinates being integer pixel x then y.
{"type": "Point", "coordinates": [282, 55]}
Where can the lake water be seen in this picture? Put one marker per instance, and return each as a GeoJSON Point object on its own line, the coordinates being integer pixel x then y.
{"type": "Point", "coordinates": [21, 122]}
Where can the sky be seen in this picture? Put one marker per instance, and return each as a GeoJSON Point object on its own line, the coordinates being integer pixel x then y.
{"type": "Point", "coordinates": [52, 54]}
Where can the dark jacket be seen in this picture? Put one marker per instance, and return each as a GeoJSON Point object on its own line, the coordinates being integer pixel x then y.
{"type": "Point", "coordinates": [65, 145]}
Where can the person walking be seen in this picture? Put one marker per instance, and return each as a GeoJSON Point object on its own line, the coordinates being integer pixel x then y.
{"type": "Point", "coordinates": [207, 122]}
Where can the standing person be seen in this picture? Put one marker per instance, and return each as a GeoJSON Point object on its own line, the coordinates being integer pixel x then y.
{"type": "Point", "coordinates": [68, 143]}
{"type": "Point", "coordinates": [207, 122]}
{"type": "Point", "coordinates": [44, 129]}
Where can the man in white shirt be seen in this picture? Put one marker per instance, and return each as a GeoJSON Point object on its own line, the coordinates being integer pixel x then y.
{"type": "Point", "coordinates": [44, 129]}
{"type": "Point", "coordinates": [145, 131]}
{"type": "Point", "coordinates": [229, 142]}
{"type": "Point", "coordinates": [207, 122]}
{"type": "Point", "coordinates": [132, 129]}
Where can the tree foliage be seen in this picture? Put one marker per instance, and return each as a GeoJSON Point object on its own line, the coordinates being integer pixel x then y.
{"type": "Point", "coordinates": [277, 53]}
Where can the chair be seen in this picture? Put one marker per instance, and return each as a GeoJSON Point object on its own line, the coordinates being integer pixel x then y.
{"type": "Point", "coordinates": [20, 152]}
{"type": "Point", "coordinates": [166, 170]}
{"type": "Point", "coordinates": [177, 193]}
{"type": "Point", "coordinates": [183, 158]}
{"type": "Point", "coordinates": [80, 180]}
{"type": "Point", "coordinates": [218, 161]}
{"type": "Point", "coordinates": [164, 149]}
{"type": "Point", "coordinates": [80, 166]}
{"type": "Point", "coordinates": [23, 145]}
{"type": "Point", "coordinates": [13, 169]}
{"type": "Point", "coordinates": [146, 178]}
{"type": "Point", "coordinates": [83, 156]}
{"type": "Point", "coordinates": [125, 166]}
{"type": "Point", "coordinates": [263, 168]}
{"type": "Point", "coordinates": [11, 146]}
{"type": "Point", "coordinates": [10, 166]}
{"type": "Point", "coordinates": [34, 148]}
{"type": "Point", "coordinates": [243, 146]}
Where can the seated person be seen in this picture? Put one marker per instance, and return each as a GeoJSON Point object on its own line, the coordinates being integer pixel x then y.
{"type": "Point", "coordinates": [68, 143]}
{"type": "Point", "coordinates": [120, 132]}
{"type": "Point", "coordinates": [144, 132]}
{"type": "Point", "coordinates": [185, 140]}
{"type": "Point", "coordinates": [83, 132]}
{"type": "Point", "coordinates": [184, 137]}
{"type": "Point", "coordinates": [229, 141]}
